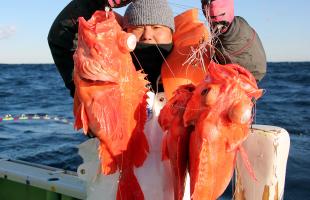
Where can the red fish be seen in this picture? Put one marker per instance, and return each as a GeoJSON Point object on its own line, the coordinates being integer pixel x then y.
{"type": "Point", "coordinates": [110, 98]}
{"type": "Point", "coordinates": [176, 140]}
{"type": "Point", "coordinates": [220, 109]}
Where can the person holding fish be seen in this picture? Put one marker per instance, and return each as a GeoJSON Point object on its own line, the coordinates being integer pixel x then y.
{"type": "Point", "coordinates": [151, 21]}
{"type": "Point", "coordinates": [62, 38]}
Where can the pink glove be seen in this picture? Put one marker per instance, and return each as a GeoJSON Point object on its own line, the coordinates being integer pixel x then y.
{"type": "Point", "coordinates": [119, 3]}
{"type": "Point", "coordinates": [219, 10]}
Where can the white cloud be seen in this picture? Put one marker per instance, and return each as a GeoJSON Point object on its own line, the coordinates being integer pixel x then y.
{"type": "Point", "coordinates": [7, 31]}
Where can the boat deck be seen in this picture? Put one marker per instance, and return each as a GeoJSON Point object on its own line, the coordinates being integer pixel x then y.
{"type": "Point", "coordinates": [21, 180]}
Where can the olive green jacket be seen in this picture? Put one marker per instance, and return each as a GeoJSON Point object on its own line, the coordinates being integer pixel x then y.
{"type": "Point", "coordinates": [240, 44]}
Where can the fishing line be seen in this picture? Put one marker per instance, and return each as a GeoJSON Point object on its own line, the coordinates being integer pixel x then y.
{"type": "Point", "coordinates": [197, 56]}
{"type": "Point", "coordinates": [149, 85]}
{"type": "Point", "coordinates": [215, 33]}
{"type": "Point", "coordinates": [213, 39]}
{"type": "Point", "coordinates": [186, 7]}
{"type": "Point", "coordinates": [141, 18]}
{"type": "Point", "coordinates": [30, 117]}
{"type": "Point", "coordinates": [194, 53]}
{"type": "Point", "coordinates": [181, 5]}
{"type": "Point", "coordinates": [198, 53]}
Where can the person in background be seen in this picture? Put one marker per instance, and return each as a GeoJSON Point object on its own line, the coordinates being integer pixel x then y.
{"type": "Point", "coordinates": [235, 40]}
{"type": "Point", "coordinates": [152, 22]}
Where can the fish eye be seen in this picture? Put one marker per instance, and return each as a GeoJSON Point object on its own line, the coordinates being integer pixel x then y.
{"type": "Point", "coordinates": [204, 92]}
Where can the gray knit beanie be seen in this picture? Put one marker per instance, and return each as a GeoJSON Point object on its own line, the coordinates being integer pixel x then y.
{"type": "Point", "coordinates": [149, 12]}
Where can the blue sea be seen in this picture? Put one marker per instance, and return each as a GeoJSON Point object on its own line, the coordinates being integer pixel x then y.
{"type": "Point", "coordinates": [38, 89]}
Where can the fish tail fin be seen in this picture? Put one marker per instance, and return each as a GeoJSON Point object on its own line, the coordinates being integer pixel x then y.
{"type": "Point", "coordinates": [77, 112]}
{"type": "Point", "coordinates": [246, 162]}
{"type": "Point", "coordinates": [128, 187]}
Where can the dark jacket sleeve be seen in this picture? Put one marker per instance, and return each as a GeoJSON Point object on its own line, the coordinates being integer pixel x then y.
{"type": "Point", "coordinates": [62, 37]}
{"type": "Point", "coordinates": [240, 44]}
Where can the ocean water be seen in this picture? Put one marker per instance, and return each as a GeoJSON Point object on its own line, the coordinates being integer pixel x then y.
{"type": "Point", "coordinates": [38, 89]}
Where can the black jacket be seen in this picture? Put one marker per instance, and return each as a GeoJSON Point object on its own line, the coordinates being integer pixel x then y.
{"type": "Point", "coordinates": [240, 44]}
{"type": "Point", "coordinates": [62, 37]}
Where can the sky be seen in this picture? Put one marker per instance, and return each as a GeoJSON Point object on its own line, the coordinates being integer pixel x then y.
{"type": "Point", "coordinates": [282, 25]}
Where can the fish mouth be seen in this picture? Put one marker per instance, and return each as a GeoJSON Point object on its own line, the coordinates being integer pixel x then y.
{"type": "Point", "coordinates": [96, 82]}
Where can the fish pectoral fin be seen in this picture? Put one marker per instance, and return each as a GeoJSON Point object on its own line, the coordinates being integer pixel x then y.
{"type": "Point", "coordinates": [108, 111]}
{"type": "Point", "coordinates": [78, 122]}
{"type": "Point", "coordinates": [77, 113]}
{"type": "Point", "coordinates": [81, 120]}
{"type": "Point", "coordinates": [84, 119]}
